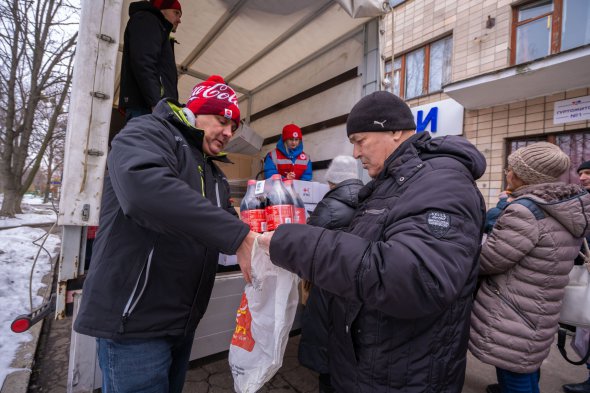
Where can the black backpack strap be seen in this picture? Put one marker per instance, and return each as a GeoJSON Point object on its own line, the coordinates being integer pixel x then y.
{"type": "Point", "coordinates": [561, 334]}
{"type": "Point", "coordinates": [532, 206]}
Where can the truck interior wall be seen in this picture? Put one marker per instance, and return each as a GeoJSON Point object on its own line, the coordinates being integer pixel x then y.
{"type": "Point", "coordinates": [336, 61]}
{"type": "Point", "coordinates": [325, 144]}
{"type": "Point", "coordinates": [296, 47]}
{"type": "Point", "coordinates": [326, 105]}
{"type": "Point", "coordinates": [336, 101]}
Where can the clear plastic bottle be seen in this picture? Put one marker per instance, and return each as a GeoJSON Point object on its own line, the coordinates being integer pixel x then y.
{"type": "Point", "coordinates": [298, 205]}
{"type": "Point", "coordinates": [252, 209]}
{"type": "Point", "coordinates": [279, 204]}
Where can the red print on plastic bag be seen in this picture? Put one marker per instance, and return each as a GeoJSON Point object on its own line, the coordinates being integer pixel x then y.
{"type": "Point", "coordinates": [243, 334]}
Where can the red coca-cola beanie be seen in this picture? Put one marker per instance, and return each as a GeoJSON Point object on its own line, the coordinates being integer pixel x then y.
{"type": "Point", "coordinates": [214, 97]}
{"type": "Point", "coordinates": [291, 131]}
{"type": "Point", "coordinates": [166, 4]}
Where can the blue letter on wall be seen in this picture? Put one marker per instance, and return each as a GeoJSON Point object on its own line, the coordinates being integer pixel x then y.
{"type": "Point", "coordinates": [431, 118]}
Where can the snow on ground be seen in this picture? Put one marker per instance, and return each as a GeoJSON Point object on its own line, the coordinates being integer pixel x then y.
{"type": "Point", "coordinates": [17, 253]}
{"type": "Point", "coordinates": [34, 212]}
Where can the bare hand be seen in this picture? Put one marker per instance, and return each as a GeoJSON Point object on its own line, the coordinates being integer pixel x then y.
{"type": "Point", "coordinates": [291, 175]}
{"type": "Point", "coordinates": [244, 254]}
{"type": "Point", "coordinates": [264, 240]}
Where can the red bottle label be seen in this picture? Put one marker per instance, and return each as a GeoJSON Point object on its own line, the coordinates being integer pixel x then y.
{"type": "Point", "coordinates": [277, 215]}
{"type": "Point", "coordinates": [255, 218]}
{"type": "Point", "coordinates": [299, 215]}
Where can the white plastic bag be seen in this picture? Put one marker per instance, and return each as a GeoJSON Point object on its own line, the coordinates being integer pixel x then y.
{"type": "Point", "coordinates": [581, 341]}
{"type": "Point", "coordinates": [575, 309]}
{"type": "Point", "coordinates": [263, 322]}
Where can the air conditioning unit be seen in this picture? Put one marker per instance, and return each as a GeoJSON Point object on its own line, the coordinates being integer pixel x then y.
{"type": "Point", "coordinates": [245, 141]}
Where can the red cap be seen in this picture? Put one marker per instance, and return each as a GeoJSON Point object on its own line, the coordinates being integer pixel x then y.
{"type": "Point", "coordinates": [166, 4]}
{"type": "Point", "coordinates": [291, 131]}
{"type": "Point", "coordinates": [214, 97]}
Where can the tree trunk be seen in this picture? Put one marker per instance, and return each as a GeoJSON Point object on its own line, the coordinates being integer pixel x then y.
{"type": "Point", "coordinates": [11, 203]}
{"type": "Point", "coordinates": [47, 189]}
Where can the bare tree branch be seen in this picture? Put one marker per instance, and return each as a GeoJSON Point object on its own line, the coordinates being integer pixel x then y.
{"type": "Point", "coordinates": [36, 55]}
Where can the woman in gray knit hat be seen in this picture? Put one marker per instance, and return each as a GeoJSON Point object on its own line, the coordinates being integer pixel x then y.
{"type": "Point", "coordinates": [524, 267]}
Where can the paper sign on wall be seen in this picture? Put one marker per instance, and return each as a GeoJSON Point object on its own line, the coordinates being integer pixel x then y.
{"type": "Point", "coordinates": [574, 109]}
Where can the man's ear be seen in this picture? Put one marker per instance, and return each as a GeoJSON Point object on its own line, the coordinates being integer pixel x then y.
{"type": "Point", "coordinates": [190, 116]}
{"type": "Point", "coordinates": [397, 135]}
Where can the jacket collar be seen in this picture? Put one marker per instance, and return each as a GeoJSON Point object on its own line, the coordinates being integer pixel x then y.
{"type": "Point", "coordinates": [139, 6]}
{"type": "Point", "coordinates": [294, 153]}
{"type": "Point", "coordinates": [171, 110]}
{"type": "Point", "coordinates": [401, 165]}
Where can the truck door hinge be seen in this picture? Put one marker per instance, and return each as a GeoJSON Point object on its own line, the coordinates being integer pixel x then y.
{"type": "Point", "coordinates": [99, 95]}
{"type": "Point", "coordinates": [86, 212]}
{"type": "Point", "coordinates": [95, 152]}
{"type": "Point", "coordinates": [106, 38]}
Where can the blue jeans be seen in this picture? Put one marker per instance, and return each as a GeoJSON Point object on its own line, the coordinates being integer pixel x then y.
{"type": "Point", "coordinates": [511, 382]}
{"type": "Point", "coordinates": [152, 365]}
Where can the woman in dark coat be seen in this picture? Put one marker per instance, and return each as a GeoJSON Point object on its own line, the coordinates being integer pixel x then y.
{"type": "Point", "coordinates": [334, 211]}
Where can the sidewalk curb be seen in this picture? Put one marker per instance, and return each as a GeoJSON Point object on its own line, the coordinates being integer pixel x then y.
{"type": "Point", "coordinates": [18, 381]}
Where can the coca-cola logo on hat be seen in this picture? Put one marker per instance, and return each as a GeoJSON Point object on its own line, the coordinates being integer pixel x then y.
{"type": "Point", "coordinates": [227, 113]}
{"type": "Point", "coordinates": [295, 134]}
{"type": "Point", "coordinates": [219, 90]}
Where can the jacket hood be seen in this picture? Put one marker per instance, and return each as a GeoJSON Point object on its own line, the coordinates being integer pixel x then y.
{"type": "Point", "coordinates": [426, 147]}
{"type": "Point", "coordinates": [346, 192]}
{"type": "Point", "coordinates": [139, 6]}
{"type": "Point", "coordinates": [294, 153]}
{"type": "Point", "coordinates": [569, 204]}
{"type": "Point", "coordinates": [452, 146]}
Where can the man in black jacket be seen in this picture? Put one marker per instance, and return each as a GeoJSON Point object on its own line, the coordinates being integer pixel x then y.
{"type": "Point", "coordinates": [165, 216]}
{"type": "Point", "coordinates": [148, 67]}
{"type": "Point", "coordinates": [405, 271]}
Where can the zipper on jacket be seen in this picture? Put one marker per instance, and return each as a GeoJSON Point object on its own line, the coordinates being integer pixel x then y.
{"type": "Point", "coordinates": [130, 306]}
{"type": "Point", "coordinates": [374, 211]}
{"type": "Point", "coordinates": [217, 192]}
{"type": "Point", "coordinates": [202, 175]}
{"type": "Point", "coordinates": [496, 290]}
{"type": "Point", "coordinates": [361, 272]}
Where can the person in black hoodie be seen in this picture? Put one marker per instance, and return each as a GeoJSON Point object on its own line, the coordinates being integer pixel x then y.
{"type": "Point", "coordinates": [334, 211]}
{"type": "Point", "coordinates": [148, 67]}
{"type": "Point", "coordinates": [405, 271]}
{"type": "Point", "coordinates": [164, 218]}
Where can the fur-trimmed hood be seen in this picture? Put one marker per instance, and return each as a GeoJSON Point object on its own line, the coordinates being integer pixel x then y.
{"type": "Point", "coordinates": [567, 203]}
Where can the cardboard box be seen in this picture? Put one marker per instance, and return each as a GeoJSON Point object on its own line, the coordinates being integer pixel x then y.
{"type": "Point", "coordinates": [244, 167]}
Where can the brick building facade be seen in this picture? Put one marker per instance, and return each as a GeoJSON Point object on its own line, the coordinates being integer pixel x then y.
{"type": "Point", "coordinates": [507, 63]}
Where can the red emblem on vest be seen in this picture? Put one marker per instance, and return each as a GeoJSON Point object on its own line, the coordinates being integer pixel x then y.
{"type": "Point", "coordinates": [302, 156]}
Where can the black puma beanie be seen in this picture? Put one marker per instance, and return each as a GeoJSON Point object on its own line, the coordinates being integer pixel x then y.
{"type": "Point", "coordinates": [380, 111]}
{"type": "Point", "coordinates": [584, 165]}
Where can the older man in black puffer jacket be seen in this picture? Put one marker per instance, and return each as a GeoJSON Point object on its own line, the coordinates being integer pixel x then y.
{"type": "Point", "coordinates": [405, 272]}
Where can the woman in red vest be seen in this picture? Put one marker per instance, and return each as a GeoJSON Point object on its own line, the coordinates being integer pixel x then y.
{"type": "Point", "coordinates": [288, 159]}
